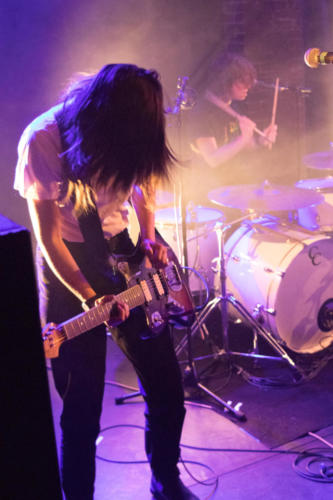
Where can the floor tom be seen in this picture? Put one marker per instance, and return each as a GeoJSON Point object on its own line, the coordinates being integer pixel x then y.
{"type": "Point", "coordinates": [318, 217]}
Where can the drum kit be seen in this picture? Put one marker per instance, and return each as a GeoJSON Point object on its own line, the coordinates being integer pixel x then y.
{"type": "Point", "coordinates": [276, 266]}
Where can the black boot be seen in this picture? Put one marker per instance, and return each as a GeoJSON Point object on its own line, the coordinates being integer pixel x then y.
{"type": "Point", "coordinates": [171, 490]}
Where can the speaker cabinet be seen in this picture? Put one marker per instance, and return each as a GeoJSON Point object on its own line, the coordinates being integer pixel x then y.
{"type": "Point", "coordinates": [29, 465]}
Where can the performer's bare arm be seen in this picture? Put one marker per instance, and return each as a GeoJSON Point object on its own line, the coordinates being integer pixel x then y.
{"type": "Point", "coordinates": [155, 251]}
{"type": "Point", "coordinates": [45, 219]}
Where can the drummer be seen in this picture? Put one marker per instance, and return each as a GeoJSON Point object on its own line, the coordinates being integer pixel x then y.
{"type": "Point", "coordinates": [224, 143]}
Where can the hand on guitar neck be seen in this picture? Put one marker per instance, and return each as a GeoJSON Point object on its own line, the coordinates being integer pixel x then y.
{"type": "Point", "coordinates": [114, 310]}
{"type": "Point", "coordinates": [119, 310]}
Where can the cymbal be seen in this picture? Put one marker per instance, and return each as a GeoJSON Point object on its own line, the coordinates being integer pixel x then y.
{"type": "Point", "coordinates": [265, 197]}
{"type": "Point", "coordinates": [322, 160]}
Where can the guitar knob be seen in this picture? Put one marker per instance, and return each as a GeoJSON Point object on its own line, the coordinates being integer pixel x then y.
{"type": "Point", "coordinates": [156, 319]}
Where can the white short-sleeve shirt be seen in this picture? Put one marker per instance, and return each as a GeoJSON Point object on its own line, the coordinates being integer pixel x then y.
{"type": "Point", "coordinates": [38, 176]}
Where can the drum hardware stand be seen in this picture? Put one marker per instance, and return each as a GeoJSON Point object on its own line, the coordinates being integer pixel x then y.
{"type": "Point", "coordinates": [258, 329]}
{"type": "Point", "coordinates": [192, 379]}
{"type": "Point", "coordinates": [255, 322]}
{"type": "Point", "coordinates": [200, 321]}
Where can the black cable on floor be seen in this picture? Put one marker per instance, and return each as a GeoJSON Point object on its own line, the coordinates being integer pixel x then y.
{"type": "Point", "coordinates": [132, 426]}
{"type": "Point", "coordinates": [315, 464]}
{"type": "Point", "coordinates": [183, 462]}
{"type": "Point", "coordinates": [304, 463]}
{"type": "Point", "coordinates": [215, 482]}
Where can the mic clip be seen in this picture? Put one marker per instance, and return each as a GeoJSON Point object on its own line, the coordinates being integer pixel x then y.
{"type": "Point", "coordinates": [185, 98]}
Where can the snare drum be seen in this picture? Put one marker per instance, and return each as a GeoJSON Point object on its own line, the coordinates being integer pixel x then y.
{"type": "Point", "coordinates": [286, 276]}
{"type": "Point", "coordinates": [319, 217]}
{"type": "Point", "coordinates": [201, 238]}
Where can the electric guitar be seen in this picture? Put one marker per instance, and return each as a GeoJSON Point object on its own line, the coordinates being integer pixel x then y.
{"type": "Point", "coordinates": [162, 294]}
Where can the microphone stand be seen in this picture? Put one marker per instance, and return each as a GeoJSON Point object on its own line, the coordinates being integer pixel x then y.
{"type": "Point", "coordinates": [283, 88]}
{"type": "Point", "coordinates": [299, 92]}
{"type": "Point", "coordinates": [177, 110]}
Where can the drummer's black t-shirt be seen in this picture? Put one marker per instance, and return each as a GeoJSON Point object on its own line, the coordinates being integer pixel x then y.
{"type": "Point", "coordinates": [206, 120]}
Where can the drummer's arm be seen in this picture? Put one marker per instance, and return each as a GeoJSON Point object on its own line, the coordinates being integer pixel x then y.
{"type": "Point", "coordinates": [215, 155]}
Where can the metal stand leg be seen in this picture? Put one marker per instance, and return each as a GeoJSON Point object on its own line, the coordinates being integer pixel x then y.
{"type": "Point", "coordinates": [222, 302]}
{"type": "Point", "coordinates": [122, 399]}
{"type": "Point", "coordinates": [191, 378]}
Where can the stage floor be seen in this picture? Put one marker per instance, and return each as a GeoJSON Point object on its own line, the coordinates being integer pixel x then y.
{"type": "Point", "coordinates": [255, 472]}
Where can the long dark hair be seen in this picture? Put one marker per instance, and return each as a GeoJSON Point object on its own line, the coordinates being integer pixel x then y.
{"type": "Point", "coordinates": [113, 129]}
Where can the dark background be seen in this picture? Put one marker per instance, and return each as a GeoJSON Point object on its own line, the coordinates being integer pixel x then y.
{"type": "Point", "coordinates": [44, 43]}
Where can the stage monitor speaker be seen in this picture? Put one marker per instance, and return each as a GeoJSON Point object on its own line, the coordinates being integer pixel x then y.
{"type": "Point", "coordinates": [29, 466]}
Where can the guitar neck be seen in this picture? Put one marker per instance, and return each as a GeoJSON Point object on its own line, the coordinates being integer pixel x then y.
{"type": "Point", "coordinates": [162, 293]}
{"type": "Point", "coordinates": [133, 297]}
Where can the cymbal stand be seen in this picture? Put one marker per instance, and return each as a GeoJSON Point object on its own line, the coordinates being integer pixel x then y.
{"type": "Point", "coordinates": [223, 300]}
{"type": "Point", "coordinates": [201, 318]}
{"type": "Point", "coordinates": [191, 375]}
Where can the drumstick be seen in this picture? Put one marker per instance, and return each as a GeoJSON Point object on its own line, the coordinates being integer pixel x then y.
{"type": "Point", "coordinates": [225, 107]}
{"type": "Point", "coordinates": [275, 100]}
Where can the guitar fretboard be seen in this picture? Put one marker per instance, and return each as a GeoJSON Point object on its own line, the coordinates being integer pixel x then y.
{"type": "Point", "coordinates": [85, 321]}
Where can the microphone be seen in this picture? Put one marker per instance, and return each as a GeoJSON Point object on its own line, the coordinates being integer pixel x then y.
{"type": "Point", "coordinates": [315, 57]}
{"type": "Point", "coordinates": [266, 85]}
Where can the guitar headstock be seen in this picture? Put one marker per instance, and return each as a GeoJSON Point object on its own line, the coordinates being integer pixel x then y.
{"type": "Point", "coordinates": [53, 337]}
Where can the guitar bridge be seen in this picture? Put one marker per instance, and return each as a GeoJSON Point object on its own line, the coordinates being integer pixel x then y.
{"type": "Point", "coordinates": [173, 278]}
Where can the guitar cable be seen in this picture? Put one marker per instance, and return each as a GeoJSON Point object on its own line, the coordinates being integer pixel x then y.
{"type": "Point", "coordinates": [315, 464]}
{"type": "Point", "coordinates": [204, 282]}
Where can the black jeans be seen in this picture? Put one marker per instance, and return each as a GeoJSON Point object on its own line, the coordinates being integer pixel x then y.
{"type": "Point", "coordinates": [79, 378]}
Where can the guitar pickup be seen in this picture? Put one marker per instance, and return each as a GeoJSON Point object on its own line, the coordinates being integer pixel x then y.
{"type": "Point", "coordinates": [158, 285]}
{"type": "Point", "coordinates": [146, 291]}
{"type": "Point", "coordinates": [163, 280]}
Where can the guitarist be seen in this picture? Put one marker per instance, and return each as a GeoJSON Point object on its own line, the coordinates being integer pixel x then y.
{"type": "Point", "coordinates": [82, 160]}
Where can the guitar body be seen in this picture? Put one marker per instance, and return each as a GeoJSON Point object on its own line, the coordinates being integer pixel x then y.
{"type": "Point", "coordinates": [161, 294]}
{"type": "Point", "coordinates": [175, 304]}
{"type": "Point", "coordinates": [154, 318]}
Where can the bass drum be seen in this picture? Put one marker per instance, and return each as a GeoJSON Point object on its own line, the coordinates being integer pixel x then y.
{"type": "Point", "coordinates": [285, 276]}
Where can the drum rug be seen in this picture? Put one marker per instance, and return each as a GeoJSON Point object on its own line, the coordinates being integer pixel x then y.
{"type": "Point", "coordinates": [278, 408]}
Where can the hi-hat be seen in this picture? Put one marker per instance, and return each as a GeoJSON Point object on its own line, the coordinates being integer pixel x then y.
{"type": "Point", "coordinates": [322, 160]}
{"type": "Point", "coordinates": [265, 197]}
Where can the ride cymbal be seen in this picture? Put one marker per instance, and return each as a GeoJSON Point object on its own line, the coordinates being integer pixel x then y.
{"type": "Point", "coordinates": [265, 197]}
